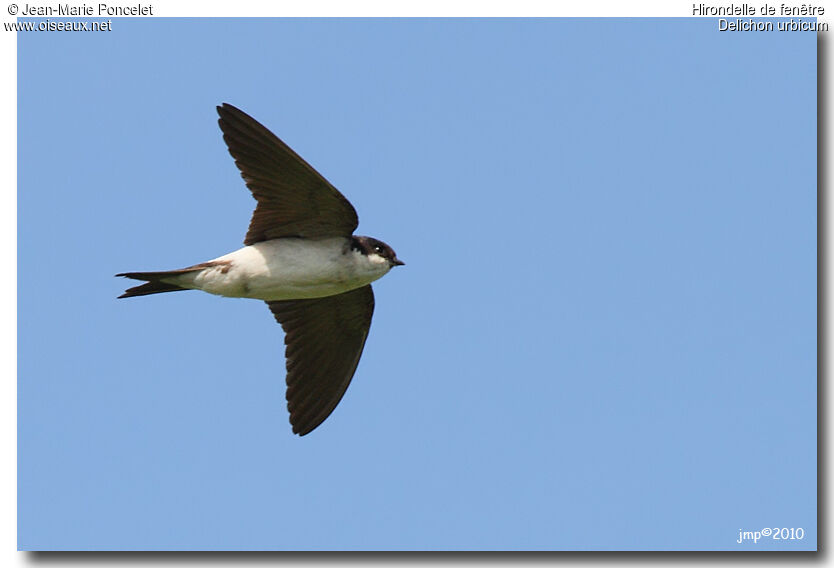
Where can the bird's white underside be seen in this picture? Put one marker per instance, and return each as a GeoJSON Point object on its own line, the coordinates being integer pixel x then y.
{"type": "Point", "coordinates": [287, 269]}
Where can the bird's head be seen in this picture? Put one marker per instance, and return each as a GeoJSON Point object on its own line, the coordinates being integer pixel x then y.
{"type": "Point", "coordinates": [376, 251]}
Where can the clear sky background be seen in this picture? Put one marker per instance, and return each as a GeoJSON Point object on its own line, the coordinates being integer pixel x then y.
{"type": "Point", "coordinates": [604, 337]}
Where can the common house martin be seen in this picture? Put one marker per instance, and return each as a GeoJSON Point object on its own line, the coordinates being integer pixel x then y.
{"type": "Point", "coordinates": [302, 258]}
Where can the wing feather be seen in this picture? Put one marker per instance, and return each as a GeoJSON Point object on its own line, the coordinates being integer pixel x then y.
{"type": "Point", "coordinates": [324, 341]}
{"type": "Point", "coordinates": [294, 200]}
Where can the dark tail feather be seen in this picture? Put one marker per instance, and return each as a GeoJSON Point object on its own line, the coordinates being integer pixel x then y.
{"type": "Point", "coordinates": [154, 284]}
{"type": "Point", "coordinates": [151, 288]}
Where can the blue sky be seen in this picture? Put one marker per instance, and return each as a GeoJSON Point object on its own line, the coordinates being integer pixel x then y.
{"type": "Point", "coordinates": [604, 337]}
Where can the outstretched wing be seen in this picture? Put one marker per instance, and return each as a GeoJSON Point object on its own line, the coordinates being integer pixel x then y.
{"type": "Point", "coordinates": [324, 338]}
{"type": "Point", "coordinates": [294, 200]}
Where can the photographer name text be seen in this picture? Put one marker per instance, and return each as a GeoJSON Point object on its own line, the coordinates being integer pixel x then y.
{"type": "Point", "coordinates": [89, 10]}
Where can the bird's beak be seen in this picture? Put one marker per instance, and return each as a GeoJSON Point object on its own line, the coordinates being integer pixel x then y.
{"type": "Point", "coordinates": [397, 262]}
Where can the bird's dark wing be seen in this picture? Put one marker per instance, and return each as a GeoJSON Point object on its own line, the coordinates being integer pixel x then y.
{"type": "Point", "coordinates": [324, 338]}
{"type": "Point", "coordinates": [294, 200]}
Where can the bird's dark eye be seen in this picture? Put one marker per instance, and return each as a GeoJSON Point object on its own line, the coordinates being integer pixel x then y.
{"type": "Point", "coordinates": [378, 249]}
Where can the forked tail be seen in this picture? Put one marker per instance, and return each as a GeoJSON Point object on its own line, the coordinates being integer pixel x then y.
{"type": "Point", "coordinates": [154, 282]}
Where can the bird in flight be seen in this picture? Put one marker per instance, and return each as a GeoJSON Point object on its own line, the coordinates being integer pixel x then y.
{"type": "Point", "coordinates": [302, 258]}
